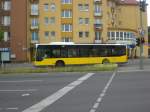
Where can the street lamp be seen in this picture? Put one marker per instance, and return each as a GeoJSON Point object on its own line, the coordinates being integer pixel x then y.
{"type": "Point", "coordinates": [142, 9]}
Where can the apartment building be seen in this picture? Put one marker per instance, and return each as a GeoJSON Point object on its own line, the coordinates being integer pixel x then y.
{"type": "Point", "coordinates": [88, 21]}
{"type": "Point", "coordinates": [13, 27]}
{"type": "Point", "coordinates": [5, 29]}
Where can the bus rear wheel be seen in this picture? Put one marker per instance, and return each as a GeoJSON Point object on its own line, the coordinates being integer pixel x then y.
{"type": "Point", "coordinates": [60, 63]}
{"type": "Point", "coordinates": [105, 61]}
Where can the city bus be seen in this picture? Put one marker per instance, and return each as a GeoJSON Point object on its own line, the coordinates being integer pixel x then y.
{"type": "Point", "coordinates": [62, 53]}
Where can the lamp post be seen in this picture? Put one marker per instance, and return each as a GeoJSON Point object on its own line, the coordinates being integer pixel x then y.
{"type": "Point", "coordinates": [142, 9]}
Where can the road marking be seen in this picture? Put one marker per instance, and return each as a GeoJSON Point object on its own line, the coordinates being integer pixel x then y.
{"type": "Point", "coordinates": [21, 81]}
{"type": "Point", "coordinates": [27, 94]}
{"type": "Point", "coordinates": [102, 94]}
{"type": "Point", "coordinates": [12, 108]}
{"type": "Point", "coordinates": [27, 90]}
{"type": "Point", "coordinates": [60, 93]}
{"type": "Point", "coordinates": [92, 110]}
{"type": "Point", "coordinates": [144, 70]}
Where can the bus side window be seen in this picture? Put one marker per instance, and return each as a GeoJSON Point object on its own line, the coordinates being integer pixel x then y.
{"type": "Point", "coordinates": [72, 52]}
{"type": "Point", "coordinates": [56, 53]}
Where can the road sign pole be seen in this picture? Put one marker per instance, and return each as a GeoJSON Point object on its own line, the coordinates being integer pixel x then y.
{"type": "Point", "coordinates": [142, 9]}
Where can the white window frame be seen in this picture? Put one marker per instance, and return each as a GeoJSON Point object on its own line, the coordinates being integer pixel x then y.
{"type": "Point", "coordinates": [66, 27]}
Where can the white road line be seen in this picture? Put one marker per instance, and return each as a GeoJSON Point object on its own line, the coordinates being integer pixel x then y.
{"type": "Point", "coordinates": [60, 93]}
{"type": "Point", "coordinates": [27, 94]}
{"type": "Point", "coordinates": [144, 70]}
{"type": "Point", "coordinates": [102, 94]}
{"type": "Point", "coordinates": [21, 81]}
{"type": "Point", "coordinates": [12, 108]}
{"type": "Point", "coordinates": [92, 110]}
{"type": "Point", "coordinates": [26, 90]}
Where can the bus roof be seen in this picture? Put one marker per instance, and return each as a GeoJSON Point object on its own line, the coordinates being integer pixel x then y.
{"type": "Point", "coordinates": [72, 43]}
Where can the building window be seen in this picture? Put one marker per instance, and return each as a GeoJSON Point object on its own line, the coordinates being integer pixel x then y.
{"type": "Point", "coordinates": [34, 22]}
{"type": "Point", "coordinates": [83, 7]}
{"type": "Point", "coordinates": [52, 33]}
{"type": "Point", "coordinates": [66, 28]}
{"type": "Point", "coordinates": [53, 7]}
{"type": "Point", "coordinates": [46, 7]}
{"type": "Point", "coordinates": [121, 35]}
{"type": "Point", "coordinates": [125, 35]}
{"type": "Point", "coordinates": [66, 1]}
{"type": "Point", "coordinates": [97, 8]}
{"type": "Point", "coordinates": [84, 21]}
{"type": "Point", "coordinates": [97, 35]}
{"type": "Point", "coordinates": [87, 34]}
{"type": "Point", "coordinates": [117, 35]}
{"type": "Point", "coordinates": [109, 35]}
{"type": "Point", "coordinates": [46, 34]}
{"type": "Point", "coordinates": [6, 36]}
{"type": "Point", "coordinates": [81, 20]}
{"type": "Point", "coordinates": [84, 34]}
{"type": "Point", "coordinates": [6, 20]}
{"type": "Point", "coordinates": [34, 36]}
{"type": "Point", "coordinates": [113, 35]}
{"type": "Point", "coordinates": [6, 5]}
{"type": "Point", "coordinates": [34, 9]}
{"type": "Point", "coordinates": [66, 14]}
{"type": "Point", "coordinates": [46, 20]}
{"type": "Point", "coordinates": [52, 20]}
{"type": "Point", "coordinates": [80, 34]}
{"type": "Point", "coordinates": [86, 7]}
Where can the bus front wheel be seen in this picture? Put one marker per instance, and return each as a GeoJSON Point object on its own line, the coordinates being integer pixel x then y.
{"type": "Point", "coordinates": [105, 61]}
{"type": "Point", "coordinates": [60, 63]}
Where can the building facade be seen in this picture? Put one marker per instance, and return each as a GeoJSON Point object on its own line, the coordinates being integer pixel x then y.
{"type": "Point", "coordinates": [78, 21]}
{"type": "Point", "coordinates": [13, 26]}
{"type": "Point", "coordinates": [5, 7]}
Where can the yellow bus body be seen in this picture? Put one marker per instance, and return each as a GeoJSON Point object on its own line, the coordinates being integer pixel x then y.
{"type": "Point", "coordinates": [81, 60]}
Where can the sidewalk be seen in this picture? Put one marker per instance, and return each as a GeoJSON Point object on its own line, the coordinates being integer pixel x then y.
{"type": "Point", "coordinates": [134, 68]}
{"type": "Point", "coordinates": [17, 65]}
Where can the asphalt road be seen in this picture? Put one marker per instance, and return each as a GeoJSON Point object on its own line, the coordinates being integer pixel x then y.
{"type": "Point", "coordinates": [117, 91]}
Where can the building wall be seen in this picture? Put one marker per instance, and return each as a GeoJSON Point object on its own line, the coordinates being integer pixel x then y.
{"type": "Point", "coordinates": [130, 19]}
{"type": "Point", "coordinates": [50, 27]}
{"type": "Point", "coordinates": [83, 27]}
{"type": "Point", "coordinates": [18, 30]}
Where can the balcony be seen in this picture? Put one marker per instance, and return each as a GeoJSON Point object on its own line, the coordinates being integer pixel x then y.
{"type": "Point", "coordinates": [98, 1]}
{"type": "Point", "coordinates": [66, 6]}
{"type": "Point", "coordinates": [34, 27]}
{"type": "Point", "coordinates": [98, 41]}
{"type": "Point", "coordinates": [97, 13]}
{"type": "Point", "coordinates": [98, 26]}
{"type": "Point", "coordinates": [34, 1]}
{"type": "Point", "coordinates": [35, 13]}
{"type": "Point", "coordinates": [34, 41]}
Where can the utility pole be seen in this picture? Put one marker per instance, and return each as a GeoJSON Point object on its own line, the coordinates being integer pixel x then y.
{"type": "Point", "coordinates": [142, 9]}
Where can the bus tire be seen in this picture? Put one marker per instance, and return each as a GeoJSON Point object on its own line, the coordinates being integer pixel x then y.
{"type": "Point", "coordinates": [60, 63]}
{"type": "Point", "coordinates": [105, 61]}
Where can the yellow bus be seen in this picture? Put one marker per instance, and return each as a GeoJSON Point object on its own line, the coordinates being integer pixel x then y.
{"type": "Point", "coordinates": [62, 53]}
